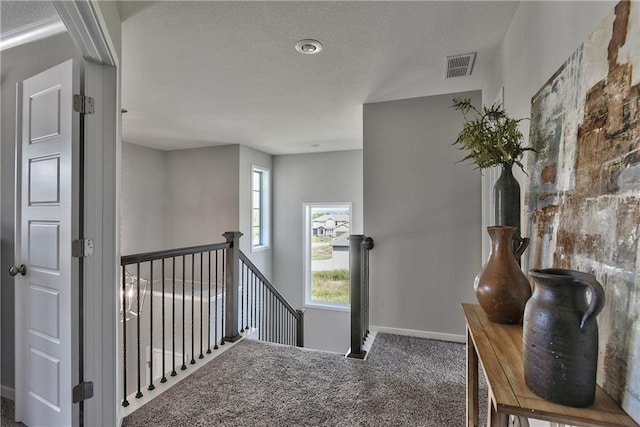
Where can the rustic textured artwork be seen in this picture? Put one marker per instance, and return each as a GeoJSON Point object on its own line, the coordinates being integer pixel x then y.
{"type": "Point", "coordinates": [584, 198]}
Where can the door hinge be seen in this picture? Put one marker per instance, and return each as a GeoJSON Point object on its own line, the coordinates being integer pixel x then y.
{"type": "Point", "coordinates": [83, 104]}
{"type": "Point", "coordinates": [83, 391]}
{"type": "Point", "coordinates": [81, 248]}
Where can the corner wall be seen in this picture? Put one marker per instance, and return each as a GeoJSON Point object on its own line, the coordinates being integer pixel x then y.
{"type": "Point", "coordinates": [302, 178]}
{"type": "Point", "coordinates": [423, 211]}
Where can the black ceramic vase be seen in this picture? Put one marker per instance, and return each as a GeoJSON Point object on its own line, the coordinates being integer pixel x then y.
{"type": "Point", "coordinates": [506, 193]}
{"type": "Point", "coordinates": [560, 336]}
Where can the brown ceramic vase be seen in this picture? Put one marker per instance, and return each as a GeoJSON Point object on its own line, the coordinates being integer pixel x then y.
{"type": "Point", "coordinates": [501, 287]}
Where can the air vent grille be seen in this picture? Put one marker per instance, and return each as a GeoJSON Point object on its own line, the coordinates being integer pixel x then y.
{"type": "Point", "coordinates": [460, 65]}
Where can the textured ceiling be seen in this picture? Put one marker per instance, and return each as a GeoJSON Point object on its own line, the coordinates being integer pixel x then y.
{"type": "Point", "coordinates": [206, 73]}
{"type": "Point", "coordinates": [20, 14]}
{"type": "Point", "coordinates": [210, 72]}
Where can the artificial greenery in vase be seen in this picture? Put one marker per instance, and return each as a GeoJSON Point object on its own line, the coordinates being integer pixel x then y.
{"type": "Point", "coordinates": [490, 137]}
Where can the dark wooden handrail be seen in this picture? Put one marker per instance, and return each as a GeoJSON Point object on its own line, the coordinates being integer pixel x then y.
{"type": "Point", "coordinates": [170, 253]}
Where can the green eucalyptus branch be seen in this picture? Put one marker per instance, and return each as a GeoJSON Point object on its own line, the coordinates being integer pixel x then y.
{"type": "Point", "coordinates": [489, 136]}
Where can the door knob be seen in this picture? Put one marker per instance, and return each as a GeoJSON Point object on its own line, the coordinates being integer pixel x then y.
{"type": "Point", "coordinates": [15, 270]}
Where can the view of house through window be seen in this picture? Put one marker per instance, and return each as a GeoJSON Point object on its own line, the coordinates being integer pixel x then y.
{"type": "Point", "coordinates": [328, 254]}
{"type": "Point", "coordinates": [259, 207]}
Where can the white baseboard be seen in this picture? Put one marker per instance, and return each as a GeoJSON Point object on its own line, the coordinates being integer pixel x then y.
{"type": "Point", "coordinates": [8, 393]}
{"type": "Point", "coordinates": [420, 334]}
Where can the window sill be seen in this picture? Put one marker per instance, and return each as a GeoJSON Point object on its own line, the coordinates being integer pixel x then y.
{"type": "Point", "coordinates": [260, 248]}
{"type": "Point", "coordinates": [328, 306]}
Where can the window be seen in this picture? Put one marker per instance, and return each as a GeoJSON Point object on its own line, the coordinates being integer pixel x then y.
{"type": "Point", "coordinates": [327, 254]}
{"type": "Point", "coordinates": [259, 208]}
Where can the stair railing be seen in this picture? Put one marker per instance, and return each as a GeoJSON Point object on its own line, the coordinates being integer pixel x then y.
{"type": "Point", "coordinates": [267, 313]}
{"type": "Point", "coordinates": [359, 247]}
{"type": "Point", "coordinates": [191, 301]}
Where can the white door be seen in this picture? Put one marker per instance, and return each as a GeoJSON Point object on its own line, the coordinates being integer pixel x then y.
{"type": "Point", "coordinates": [46, 221]}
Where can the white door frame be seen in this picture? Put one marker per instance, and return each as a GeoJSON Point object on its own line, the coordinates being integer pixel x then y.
{"type": "Point", "coordinates": [87, 25]}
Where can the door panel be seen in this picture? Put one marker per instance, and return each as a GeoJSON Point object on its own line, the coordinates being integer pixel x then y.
{"type": "Point", "coordinates": [44, 180]}
{"type": "Point", "coordinates": [44, 329]}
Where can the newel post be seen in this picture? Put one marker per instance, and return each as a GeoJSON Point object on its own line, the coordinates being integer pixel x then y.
{"type": "Point", "coordinates": [300, 328]}
{"type": "Point", "coordinates": [355, 295]}
{"type": "Point", "coordinates": [232, 287]}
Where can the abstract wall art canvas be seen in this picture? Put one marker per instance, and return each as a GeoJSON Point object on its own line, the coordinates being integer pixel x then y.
{"type": "Point", "coordinates": [584, 196]}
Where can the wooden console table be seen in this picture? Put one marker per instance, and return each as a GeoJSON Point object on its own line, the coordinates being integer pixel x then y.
{"type": "Point", "coordinates": [499, 349]}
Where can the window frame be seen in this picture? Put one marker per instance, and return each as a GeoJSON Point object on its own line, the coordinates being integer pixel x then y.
{"type": "Point", "coordinates": [264, 208]}
{"type": "Point", "coordinates": [306, 250]}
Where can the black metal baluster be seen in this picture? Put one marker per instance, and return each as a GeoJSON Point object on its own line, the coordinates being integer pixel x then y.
{"type": "Point", "coordinates": [224, 286]}
{"type": "Point", "coordinates": [266, 314]}
{"type": "Point", "coordinates": [366, 292]}
{"type": "Point", "coordinates": [173, 319]}
{"type": "Point", "coordinates": [246, 319]}
{"type": "Point", "coordinates": [286, 326]}
{"type": "Point", "coordinates": [278, 324]}
{"type": "Point", "coordinates": [201, 300]}
{"type": "Point", "coordinates": [270, 315]}
{"type": "Point", "coordinates": [151, 386]}
{"type": "Point", "coordinates": [209, 306]}
{"type": "Point", "coordinates": [242, 283]}
{"type": "Point", "coordinates": [262, 313]}
{"type": "Point", "coordinates": [184, 297]}
{"type": "Point", "coordinates": [164, 369]}
{"type": "Point", "coordinates": [139, 393]}
{"type": "Point", "coordinates": [215, 347]}
{"type": "Point", "coordinates": [273, 316]}
{"type": "Point", "coordinates": [125, 402]}
{"type": "Point", "coordinates": [252, 322]}
{"type": "Point", "coordinates": [193, 308]}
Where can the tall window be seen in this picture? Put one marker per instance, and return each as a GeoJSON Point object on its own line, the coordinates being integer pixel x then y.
{"type": "Point", "coordinates": [259, 207]}
{"type": "Point", "coordinates": [327, 254]}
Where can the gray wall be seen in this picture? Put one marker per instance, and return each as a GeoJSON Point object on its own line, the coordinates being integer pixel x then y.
{"type": "Point", "coordinates": [143, 199]}
{"type": "Point", "coordinates": [423, 211]}
{"type": "Point", "coordinates": [18, 63]}
{"type": "Point", "coordinates": [300, 178]}
{"type": "Point", "coordinates": [202, 196]}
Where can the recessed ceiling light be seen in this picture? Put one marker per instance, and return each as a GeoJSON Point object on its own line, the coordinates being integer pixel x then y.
{"type": "Point", "coordinates": [308, 46]}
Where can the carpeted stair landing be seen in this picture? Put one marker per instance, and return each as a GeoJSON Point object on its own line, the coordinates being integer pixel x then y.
{"type": "Point", "coordinates": [405, 381]}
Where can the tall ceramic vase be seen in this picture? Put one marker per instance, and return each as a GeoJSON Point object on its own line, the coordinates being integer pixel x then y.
{"type": "Point", "coordinates": [506, 193]}
{"type": "Point", "coordinates": [501, 287]}
{"type": "Point", "coordinates": [560, 336]}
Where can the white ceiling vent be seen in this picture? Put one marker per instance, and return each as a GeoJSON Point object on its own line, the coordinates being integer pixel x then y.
{"type": "Point", "coordinates": [460, 65]}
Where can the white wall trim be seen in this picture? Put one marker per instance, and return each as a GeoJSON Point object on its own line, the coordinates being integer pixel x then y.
{"type": "Point", "coordinates": [419, 334]}
{"type": "Point", "coordinates": [87, 30]}
{"type": "Point", "coordinates": [38, 30]}
{"type": "Point", "coordinates": [8, 393]}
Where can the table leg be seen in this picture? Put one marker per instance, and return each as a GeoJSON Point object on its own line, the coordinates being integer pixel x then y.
{"type": "Point", "coordinates": [472, 383]}
{"type": "Point", "coordinates": [494, 418]}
